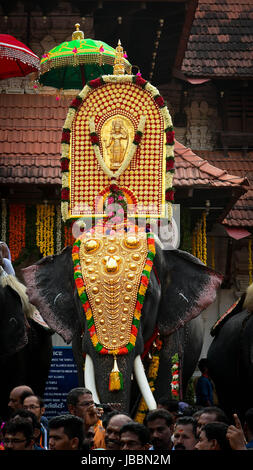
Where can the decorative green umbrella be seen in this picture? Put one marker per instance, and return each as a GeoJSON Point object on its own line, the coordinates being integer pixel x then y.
{"type": "Point", "coordinates": [73, 63]}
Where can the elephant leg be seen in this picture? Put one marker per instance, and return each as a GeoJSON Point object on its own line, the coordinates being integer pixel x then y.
{"type": "Point", "coordinates": [37, 358]}
{"type": "Point", "coordinates": [12, 375]}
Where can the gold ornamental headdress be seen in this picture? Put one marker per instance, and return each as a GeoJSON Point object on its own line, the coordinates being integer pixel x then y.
{"type": "Point", "coordinates": [117, 137]}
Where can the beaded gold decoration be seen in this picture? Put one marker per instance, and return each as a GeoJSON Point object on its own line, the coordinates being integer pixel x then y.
{"type": "Point", "coordinates": [111, 268]}
{"type": "Point", "coordinates": [142, 160]}
{"type": "Point", "coordinates": [85, 169]}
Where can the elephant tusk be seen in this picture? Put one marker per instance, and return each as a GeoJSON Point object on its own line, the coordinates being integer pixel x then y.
{"type": "Point", "coordinates": [143, 384]}
{"type": "Point", "coordinates": [89, 378]}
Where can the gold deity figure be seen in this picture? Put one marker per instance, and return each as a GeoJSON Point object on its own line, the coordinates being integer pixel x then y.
{"type": "Point", "coordinates": [117, 148]}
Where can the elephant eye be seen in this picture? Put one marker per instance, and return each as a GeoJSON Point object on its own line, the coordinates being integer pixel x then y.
{"type": "Point", "coordinates": [13, 321]}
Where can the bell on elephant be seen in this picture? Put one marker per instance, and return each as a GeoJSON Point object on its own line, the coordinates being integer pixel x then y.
{"type": "Point", "coordinates": [132, 242]}
{"type": "Point", "coordinates": [91, 246]}
{"type": "Point", "coordinates": [116, 377]}
{"type": "Point", "coordinates": [111, 263]}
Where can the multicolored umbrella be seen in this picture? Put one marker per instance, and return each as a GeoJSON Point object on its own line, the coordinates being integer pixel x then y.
{"type": "Point", "coordinates": [73, 63]}
{"type": "Point", "coordinates": [16, 59]}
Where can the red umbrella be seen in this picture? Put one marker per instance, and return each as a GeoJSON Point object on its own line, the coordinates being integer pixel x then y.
{"type": "Point", "coordinates": [16, 59]}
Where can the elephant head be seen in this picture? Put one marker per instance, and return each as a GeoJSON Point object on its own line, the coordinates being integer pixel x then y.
{"type": "Point", "coordinates": [25, 345]}
{"type": "Point", "coordinates": [180, 287]}
{"type": "Point", "coordinates": [15, 309]}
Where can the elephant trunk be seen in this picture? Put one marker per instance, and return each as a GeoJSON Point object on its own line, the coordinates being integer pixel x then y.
{"type": "Point", "coordinates": [96, 377]}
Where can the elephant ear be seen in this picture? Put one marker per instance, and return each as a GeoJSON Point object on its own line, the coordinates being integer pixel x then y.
{"type": "Point", "coordinates": [188, 288]}
{"type": "Point", "coordinates": [51, 288]}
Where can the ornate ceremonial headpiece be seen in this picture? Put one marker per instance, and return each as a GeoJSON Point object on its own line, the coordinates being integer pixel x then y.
{"type": "Point", "coordinates": [117, 148]}
{"type": "Point", "coordinates": [117, 138]}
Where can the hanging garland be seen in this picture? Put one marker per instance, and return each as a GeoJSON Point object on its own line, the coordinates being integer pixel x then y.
{"type": "Point", "coordinates": [68, 235]}
{"type": "Point", "coordinates": [250, 260]}
{"type": "Point", "coordinates": [3, 221]}
{"type": "Point", "coordinates": [45, 228]}
{"type": "Point", "coordinates": [175, 377]}
{"type": "Point", "coordinates": [17, 227]}
{"type": "Point", "coordinates": [204, 241]}
{"type": "Point", "coordinates": [199, 240]}
{"type": "Point", "coordinates": [213, 253]}
{"type": "Point", "coordinates": [116, 201]}
{"type": "Point", "coordinates": [152, 376]}
{"type": "Point", "coordinates": [23, 228]}
{"type": "Point", "coordinates": [58, 229]}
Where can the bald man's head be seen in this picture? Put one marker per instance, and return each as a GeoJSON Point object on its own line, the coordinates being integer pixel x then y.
{"type": "Point", "coordinates": [112, 435]}
{"type": "Point", "coordinates": [17, 396]}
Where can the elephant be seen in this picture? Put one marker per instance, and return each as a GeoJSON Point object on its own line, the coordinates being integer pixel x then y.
{"type": "Point", "coordinates": [230, 356]}
{"type": "Point", "coordinates": [179, 289]}
{"type": "Point", "coordinates": [25, 345]}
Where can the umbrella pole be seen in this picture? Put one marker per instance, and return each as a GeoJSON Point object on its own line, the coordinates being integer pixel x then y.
{"type": "Point", "coordinates": [82, 74]}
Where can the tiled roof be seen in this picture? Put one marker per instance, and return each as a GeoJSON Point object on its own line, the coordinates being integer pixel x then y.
{"type": "Point", "coordinates": [221, 40]}
{"type": "Point", "coordinates": [241, 215]}
{"type": "Point", "coordinates": [192, 170]}
{"type": "Point", "coordinates": [30, 135]}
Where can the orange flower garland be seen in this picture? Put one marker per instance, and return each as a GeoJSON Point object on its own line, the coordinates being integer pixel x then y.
{"type": "Point", "coordinates": [68, 236]}
{"type": "Point", "coordinates": [17, 224]}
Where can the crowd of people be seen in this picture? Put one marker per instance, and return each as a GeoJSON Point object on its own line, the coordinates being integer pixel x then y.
{"type": "Point", "coordinates": [87, 426]}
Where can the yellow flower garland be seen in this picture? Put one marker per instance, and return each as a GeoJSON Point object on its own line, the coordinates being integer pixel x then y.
{"type": "Point", "coordinates": [194, 246]}
{"type": "Point", "coordinates": [250, 260]}
{"type": "Point", "coordinates": [213, 253]}
{"type": "Point", "coordinates": [199, 240]}
{"type": "Point", "coordinates": [204, 241]}
{"type": "Point", "coordinates": [45, 228]}
{"type": "Point", "coordinates": [152, 375]}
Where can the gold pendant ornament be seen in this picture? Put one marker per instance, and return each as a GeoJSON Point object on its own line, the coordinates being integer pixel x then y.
{"type": "Point", "coordinates": [111, 269]}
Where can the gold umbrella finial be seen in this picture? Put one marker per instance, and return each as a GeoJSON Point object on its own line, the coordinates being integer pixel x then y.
{"type": "Point", "coordinates": [119, 67]}
{"type": "Point", "coordinates": [77, 34]}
